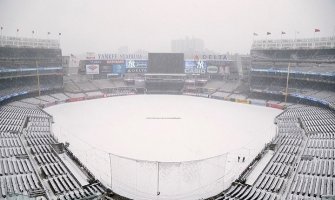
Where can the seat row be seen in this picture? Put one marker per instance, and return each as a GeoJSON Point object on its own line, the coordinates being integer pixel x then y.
{"type": "Point", "coordinates": [277, 169]}
{"type": "Point", "coordinates": [18, 184]}
{"type": "Point", "coordinates": [34, 135]}
{"type": "Point", "coordinates": [320, 122]}
{"type": "Point", "coordinates": [21, 111]}
{"type": "Point", "coordinates": [10, 121]}
{"type": "Point", "coordinates": [288, 149]}
{"type": "Point", "coordinates": [9, 127]}
{"type": "Point", "coordinates": [313, 186]}
{"type": "Point", "coordinates": [248, 193]}
{"type": "Point", "coordinates": [87, 192]}
{"type": "Point", "coordinates": [317, 168]}
{"type": "Point", "coordinates": [61, 184]}
{"type": "Point", "coordinates": [38, 129]}
{"type": "Point", "coordinates": [45, 158]}
{"type": "Point", "coordinates": [15, 166]}
{"type": "Point", "coordinates": [323, 136]}
{"type": "Point", "coordinates": [39, 123]}
{"type": "Point", "coordinates": [10, 142]}
{"type": "Point", "coordinates": [8, 134]}
{"type": "Point", "coordinates": [270, 183]}
{"type": "Point", "coordinates": [284, 158]}
{"type": "Point", "coordinates": [320, 153]}
{"type": "Point", "coordinates": [323, 144]}
{"type": "Point", "coordinates": [321, 128]}
{"type": "Point", "coordinates": [51, 170]}
{"type": "Point", "coordinates": [319, 116]}
{"type": "Point", "coordinates": [39, 141]}
{"type": "Point", "coordinates": [33, 120]}
{"type": "Point", "coordinates": [40, 149]}
{"type": "Point", "coordinates": [12, 152]}
{"type": "Point", "coordinates": [292, 141]}
{"type": "Point", "coordinates": [11, 115]}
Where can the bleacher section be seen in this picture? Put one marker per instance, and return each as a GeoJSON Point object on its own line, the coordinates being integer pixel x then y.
{"type": "Point", "coordinates": [78, 85]}
{"type": "Point", "coordinates": [86, 86]}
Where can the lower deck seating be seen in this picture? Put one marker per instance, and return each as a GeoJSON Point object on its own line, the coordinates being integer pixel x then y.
{"type": "Point", "coordinates": [29, 165]}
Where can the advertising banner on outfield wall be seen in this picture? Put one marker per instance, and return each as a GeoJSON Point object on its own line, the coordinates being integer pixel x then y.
{"type": "Point", "coordinates": [109, 66]}
{"type": "Point", "coordinates": [212, 69]}
{"type": "Point", "coordinates": [92, 69]}
{"type": "Point", "coordinates": [195, 67]}
{"type": "Point", "coordinates": [219, 66]}
{"type": "Point", "coordinates": [119, 68]}
{"type": "Point", "coordinates": [136, 66]}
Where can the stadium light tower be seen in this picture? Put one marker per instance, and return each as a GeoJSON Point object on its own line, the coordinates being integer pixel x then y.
{"type": "Point", "coordinates": [1, 35]}
{"type": "Point", "coordinates": [38, 79]}
{"type": "Point", "coordinates": [287, 78]}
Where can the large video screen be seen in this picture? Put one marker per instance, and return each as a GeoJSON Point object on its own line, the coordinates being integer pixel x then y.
{"type": "Point", "coordinates": [166, 63]}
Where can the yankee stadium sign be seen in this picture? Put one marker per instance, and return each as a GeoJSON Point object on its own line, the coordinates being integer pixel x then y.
{"type": "Point", "coordinates": [112, 56]}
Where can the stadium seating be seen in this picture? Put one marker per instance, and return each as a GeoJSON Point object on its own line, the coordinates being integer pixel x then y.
{"type": "Point", "coordinates": [304, 132]}
{"type": "Point", "coordinates": [29, 164]}
{"type": "Point", "coordinates": [303, 161]}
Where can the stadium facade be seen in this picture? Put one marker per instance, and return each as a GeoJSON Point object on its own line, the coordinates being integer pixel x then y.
{"type": "Point", "coordinates": [29, 66]}
{"type": "Point", "coordinates": [297, 76]}
{"type": "Point", "coordinates": [108, 65]}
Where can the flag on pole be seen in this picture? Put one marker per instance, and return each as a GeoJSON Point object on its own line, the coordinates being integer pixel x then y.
{"type": "Point", "coordinates": [283, 33]}
{"type": "Point", "coordinates": [255, 34]}
{"type": "Point", "coordinates": [316, 30]}
{"type": "Point", "coordinates": [268, 33]}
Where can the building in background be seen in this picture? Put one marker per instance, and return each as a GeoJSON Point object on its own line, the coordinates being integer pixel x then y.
{"type": "Point", "coordinates": [123, 50]}
{"type": "Point", "coordinates": [188, 46]}
{"type": "Point", "coordinates": [70, 64]}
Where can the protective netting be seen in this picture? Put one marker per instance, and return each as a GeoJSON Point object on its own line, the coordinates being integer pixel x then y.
{"type": "Point", "coordinates": [140, 179]}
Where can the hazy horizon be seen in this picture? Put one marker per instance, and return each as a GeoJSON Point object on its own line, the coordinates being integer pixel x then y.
{"type": "Point", "coordinates": [106, 25]}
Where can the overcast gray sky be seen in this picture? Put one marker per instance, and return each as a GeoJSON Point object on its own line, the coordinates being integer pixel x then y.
{"type": "Point", "coordinates": [105, 25]}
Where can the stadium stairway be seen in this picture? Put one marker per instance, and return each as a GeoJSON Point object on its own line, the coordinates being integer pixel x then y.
{"type": "Point", "coordinates": [295, 166]}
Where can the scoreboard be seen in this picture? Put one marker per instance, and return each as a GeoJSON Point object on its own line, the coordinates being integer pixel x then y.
{"type": "Point", "coordinates": [166, 63]}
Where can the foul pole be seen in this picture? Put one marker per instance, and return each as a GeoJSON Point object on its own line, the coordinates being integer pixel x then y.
{"type": "Point", "coordinates": [287, 78]}
{"type": "Point", "coordinates": [38, 79]}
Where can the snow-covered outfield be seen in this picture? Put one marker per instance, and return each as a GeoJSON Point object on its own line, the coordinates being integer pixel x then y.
{"type": "Point", "coordinates": [169, 129]}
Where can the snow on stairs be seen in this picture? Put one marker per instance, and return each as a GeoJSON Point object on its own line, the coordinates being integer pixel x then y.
{"type": "Point", "coordinates": [36, 193]}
